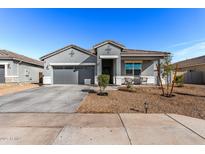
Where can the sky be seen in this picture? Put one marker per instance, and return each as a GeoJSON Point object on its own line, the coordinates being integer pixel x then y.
{"type": "Point", "coordinates": [36, 32]}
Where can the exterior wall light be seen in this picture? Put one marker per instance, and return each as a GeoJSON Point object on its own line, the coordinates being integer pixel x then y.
{"type": "Point", "coordinates": [47, 67]}
{"type": "Point", "coordinates": [9, 66]}
{"type": "Point", "coordinates": [146, 106]}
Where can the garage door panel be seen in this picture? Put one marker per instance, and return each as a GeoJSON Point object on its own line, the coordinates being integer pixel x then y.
{"type": "Point", "coordinates": [2, 74]}
{"type": "Point", "coordinates": [65, 76]}
{"type": "Point", "coordinates": [73, 74]}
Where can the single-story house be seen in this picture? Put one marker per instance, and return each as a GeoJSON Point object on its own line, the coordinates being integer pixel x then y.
{"type": "Point", "coordinates": [193, 70]}
{"type": "Point", "coordinates": [18, 68]}
{"type": "Point", "coordinates": [75, 65]}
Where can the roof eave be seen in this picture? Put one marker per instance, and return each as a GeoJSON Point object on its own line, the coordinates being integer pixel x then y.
{"type": "Point", "coordinates": [16, 59]}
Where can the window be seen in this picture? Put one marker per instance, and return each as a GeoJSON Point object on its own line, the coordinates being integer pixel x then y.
{"type": "Point", "coordinates": [133, 68]}
{"type": "Point", "coordinates": [129, 69]}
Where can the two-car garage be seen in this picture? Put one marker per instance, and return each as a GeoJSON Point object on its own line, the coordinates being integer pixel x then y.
{"type": "Point", "coordinates": [69, 65]}
{"type": "Point", "coordinates": [73, 74]}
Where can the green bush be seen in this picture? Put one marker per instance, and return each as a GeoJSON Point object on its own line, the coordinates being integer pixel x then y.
{"type": "Point", "coordinates": [103, 81]}
{"type": "Point", "coordinates": [179, 80]}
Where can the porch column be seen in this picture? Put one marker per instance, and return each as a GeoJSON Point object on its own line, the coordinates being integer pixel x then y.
{"type": "Point", "coordinates": [118, 79]}
{"type": "Point", "coordinates": [158, 64]}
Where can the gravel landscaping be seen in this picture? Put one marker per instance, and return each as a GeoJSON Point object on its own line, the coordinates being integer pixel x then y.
{"type": "Point", "coordinates": [188, 100]}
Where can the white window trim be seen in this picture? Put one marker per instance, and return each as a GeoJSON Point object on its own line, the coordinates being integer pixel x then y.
{"type": "Point", "coordinates": [5, 71]}
{"type": "Point", "coordinates": [72, 64]}
{"type": "Point", "coordinates": [5, 68]}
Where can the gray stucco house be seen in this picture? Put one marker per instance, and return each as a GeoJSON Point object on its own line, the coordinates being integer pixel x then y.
{"type": "Point", "coordinates": [16, 68]}
{"type": "Point", "coordinates": [75, 65]}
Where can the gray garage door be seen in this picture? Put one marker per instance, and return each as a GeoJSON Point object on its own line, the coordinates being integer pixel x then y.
{"type": "Point", "coordinates": [2, 74]}
{"type": "Point", "coordinates": [73, 74]}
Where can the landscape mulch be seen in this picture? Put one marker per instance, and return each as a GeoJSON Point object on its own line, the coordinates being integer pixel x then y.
{"type": "Point", "coordinates": [188, 100]}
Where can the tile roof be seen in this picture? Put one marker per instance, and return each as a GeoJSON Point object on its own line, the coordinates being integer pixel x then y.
{"type": "Point", "coordinates": [5, 54]}
{"type": "Point", "coordinates": [143, 52]}
{"type": "Point", "coordinates": [126, 52]}
{"type": "Point", "coordinates": [191, 62]}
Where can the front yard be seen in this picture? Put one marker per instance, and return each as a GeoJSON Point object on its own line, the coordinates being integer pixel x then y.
{"type": "Point", "coordinates": [188, 100]}
{"type": "Point", "coordinates": [12, 88]}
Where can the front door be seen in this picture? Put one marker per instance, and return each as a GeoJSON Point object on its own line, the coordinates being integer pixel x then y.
{"type": "Point", "coordinates": [107, 68]}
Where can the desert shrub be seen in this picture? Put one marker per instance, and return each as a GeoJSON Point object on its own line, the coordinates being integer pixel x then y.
{"type": "Point", "coordinates": [179, 80]}
{"type": "Point", "coordinates": [128, 82]}
{"type": "Point", "coordinates": [132, 89]}
{"type": "Point", "coordinates": [103, 81]}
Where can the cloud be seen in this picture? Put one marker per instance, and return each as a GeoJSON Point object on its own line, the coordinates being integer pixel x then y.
{"type": "Point", "coordinates": [190, 51]}
{"type": "Point", "coordinates": [186, 43]}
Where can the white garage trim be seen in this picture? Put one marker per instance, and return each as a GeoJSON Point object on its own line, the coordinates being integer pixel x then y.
{"type": "Point", "coordinates": [72, 64]}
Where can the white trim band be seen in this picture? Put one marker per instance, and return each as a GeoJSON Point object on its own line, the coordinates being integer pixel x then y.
{"type": "Point", "coordinates": [71, 64]}
{"type": "Point", "coordinates": [12, 76]}
{"type": "Point", "coordinates": [108, 56]}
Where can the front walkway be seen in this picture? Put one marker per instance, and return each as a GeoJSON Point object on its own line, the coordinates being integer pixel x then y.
{"type": "Point", "coordinates": [53, 128]}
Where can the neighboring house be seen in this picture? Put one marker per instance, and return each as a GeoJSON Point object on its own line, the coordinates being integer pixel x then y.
{"type": "Point", "coordinates": [19, 68]}
{"type": "Point", "coordinates": [75, 65]}
{"type": "Point", "coordinates": [193, 70]}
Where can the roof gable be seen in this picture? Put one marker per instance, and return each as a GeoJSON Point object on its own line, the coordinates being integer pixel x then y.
{"type": "Point", "coordinates": [109, 42]}
{"type": "Point", "coordinates": [64, 49]}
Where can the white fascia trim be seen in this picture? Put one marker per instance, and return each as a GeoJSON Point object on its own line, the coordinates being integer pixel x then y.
{"type": "Point", "coordinates": [12, 76]}
{"type": "Point", "coordinates": [108, 56]}
{"type": "Point", "coordinates": [4, 63]}
{"type": "Point", "coordinates": [71, 64]}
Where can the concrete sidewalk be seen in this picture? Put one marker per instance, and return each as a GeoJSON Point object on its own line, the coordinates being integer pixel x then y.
{"type": "Point", "coordinates": [54, 128]}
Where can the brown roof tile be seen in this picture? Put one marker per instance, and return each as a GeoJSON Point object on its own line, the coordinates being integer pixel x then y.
{"type": "Point", "coordinates": [191, 62]}
{"type": "Point", "coordinates": [5, 54]}
{"type": "Point", "coordinates": [143, 52]}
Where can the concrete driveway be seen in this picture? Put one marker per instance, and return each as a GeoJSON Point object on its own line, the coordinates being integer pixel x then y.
{"type": "Point", "coordinates": [44, 99]}
{"type": "Point", "coordinates": [130, 128]}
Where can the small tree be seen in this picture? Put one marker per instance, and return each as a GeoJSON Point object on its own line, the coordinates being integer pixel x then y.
{"type": "Point", "coordinates": [167, 68]}
{"type": "Point", "coordinates": [103, 81]}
